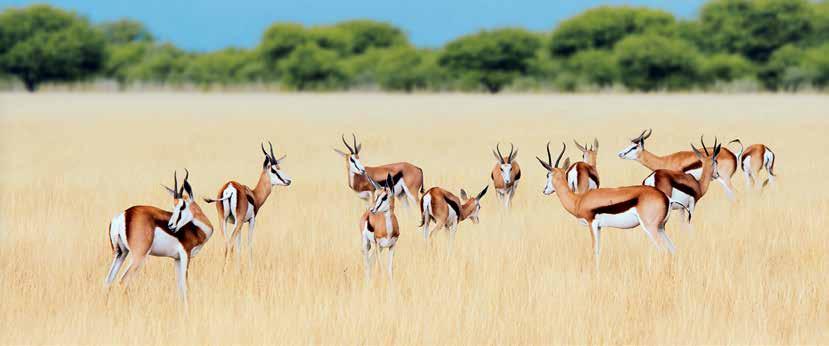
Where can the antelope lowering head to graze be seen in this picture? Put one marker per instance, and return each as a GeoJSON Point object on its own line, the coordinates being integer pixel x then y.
{"type": "Point", "coordinates": [240, 204]}
{"type": "Point", "coordinates": [685, 161]}
{"type": "Point", "coordinates": [582, 175]}
{"type": "Point", "coordinates": [144, 230]}
{"type": "Point", "coordinates": [505, 174]}
{"type": "Point", "coordinates": [378, 225]}
{"type": "Point", "coordinates": [753, 159]}
{"type": "Point", "coordinates": [409, 178]}
{"type": "Point", "coordinates": [623, 207]}
{"type": "Point", "coordinates": [682, 188]}
{"type": "Point", "coordinates": [447, 210]}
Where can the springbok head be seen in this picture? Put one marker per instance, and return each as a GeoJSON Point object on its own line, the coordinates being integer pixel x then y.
{"type": "Point", "coordinates": [353, 156]}
{"type": "Point", "coordinates": [473, 204]}
{"type": "Point", "coordinates": [632, 151]}
{"type": "Point", "coordinates": [182, 214]}
{"type": "Point", "coordinates": [554, 171]}
{"type": "Point", "coordinates": [589, 152]}
{"type": "Point", "coordinates": [708, 158]}
{"type": "Point", "coordinates": [384, 199]}
{"type": "Point", "coordinates": [271, 165]}
{"type": "Point", "coordinates": [505, 163]}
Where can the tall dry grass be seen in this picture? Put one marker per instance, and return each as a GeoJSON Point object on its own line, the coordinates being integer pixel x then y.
{"type": "Point", "coordinates": [754, 272]}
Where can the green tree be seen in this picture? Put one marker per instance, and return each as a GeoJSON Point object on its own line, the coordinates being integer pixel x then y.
{"type": "Point", "coordinates": [596, 67]}
{"type": "Point", "coordinates": [725, 67]}
{"type": "Point", "coordinates": [311, 67]}
{"type": "Point", "coordinates": [40, 43]}
{"type": "Point", "coordinates": [366, 34]}
{"type": "Point", "coordinates": [280, 40]}
{"type": "Point", "coordinates": [491, 58]}
{"type": "Point", "coordinates": [122, 57]}
{"type": "Point", "coordinates": [783, 63]}
{"type": "Point", "coordinates": [754, 28]}
{"type": "Point", "coordinates": [163, 64]}
{"type": "Point", "coordinates": [332, 38]}
{"type": "Point", "coordinates": [816, 65]}
{"type": "Point", "coordinates": [223, 67]}
{"type": "Point", "coordinates": [125, 31]}
{"type": "Point", "coordinates": [650, 62]}
{"type": "Point", "coordinates": [820, 23]}
{"type": "Point", "coordinates": [406, 69]}
{"type": "Point", "coordinates": [602, 27]}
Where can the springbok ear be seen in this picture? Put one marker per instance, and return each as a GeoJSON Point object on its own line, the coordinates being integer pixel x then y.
{"type": "Point", "coordinates": [696, 152]}
{"type": "Point", "coordinates": [579, 146]}
{"type": "Point", "coordinates": [464, 196]}
{"type": "Point", "coordinates": [359, 147]}
{"type": "Point", "coordinates": [338, 151]}
{"type": "Point", "coordinates": [189, 190]}
{"type": "Point", "coordinates": [543, 164]}
{"type": "Point", "coordinates": [278, 161]}
{"type": "Point", "coordinates": [497, 158]}
{"type": "Point", "coordinates": [483, 192]}
{"type": "Point", "coordinates": [566, 163]}
{"type": "Point", "coordinates": [595, 144]}
{"type": "Point", "coordinates": [514, 155]}
{"type": "Point", "coordinates": [169, 190]}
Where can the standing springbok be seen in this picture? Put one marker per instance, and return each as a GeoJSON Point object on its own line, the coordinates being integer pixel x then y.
{"type": "Point", "coordinates": [623, 207]}
{"type": "Point", "coordinates": [505, 174]}
{"type": "Point", "coordinates": [582, 175]}
{"type": "Point", "coordinates": [447, 210]}
{"type": "Point", "coordinates": [682, 188]}
{"type": "Point", "coordinates": [145, 230]}
{"type": "Point", "coordinates": [379, 227]}
{"type": "Point", "coordinates": [753, 159]}
{"type": "Point", "coordinates": [684, 161]}
{"type": "Point", "coordinates": [245, 210]}
{"type": "Point", "coordinates": [409, 178]}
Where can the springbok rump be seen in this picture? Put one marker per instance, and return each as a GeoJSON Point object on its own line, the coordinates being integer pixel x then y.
{"type": "Point", "coordinates": [753, 159]}
{"type": "Point", "coordinates": [408, 177]}
{"type": "Point", "coordinates": [447, 210]}
{"type": "Point", "coordinates": [684, 161]}
{"type": "Point", "coordinates": [623, 207]}
{"type": "Point", "coordinates": [145, 230]}
{"type": "Point", "coordinates": [583, 175]}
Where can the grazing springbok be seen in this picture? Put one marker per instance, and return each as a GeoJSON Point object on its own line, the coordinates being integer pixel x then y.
{"type": "Point", "coordinates": [682, 188]}
{"type": "Point", "coordinates": [409, 178]}
{"type": "Point", "coordinates": [505, 174]}
{"type": "Point", "coordinates": [623, 207]}
{"type": "Point", "coordinates": [753, 159]}
{"type": "Point", "coordinates": [447, 210]}
{"type": "Point", "coordinates": [145, 230]}
{"type": "Point", "coordinates": [245, 210]}
{"type": "Point", "coordinates": [684, 161]}
{"type": "Point", "coordinates": [582, 175]}
{"type": "Point", "coordinates": [378, 226]}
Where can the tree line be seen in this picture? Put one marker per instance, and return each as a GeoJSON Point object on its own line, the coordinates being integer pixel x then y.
{"type": "Point", "coordinates": [761, 44]}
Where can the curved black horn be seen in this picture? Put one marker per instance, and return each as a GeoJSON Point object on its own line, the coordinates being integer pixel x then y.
{"type": "Point", "coordinates": [511, 150]}
{"type": "Point", "coordinates": [273, 157]}
{"type": "Point", "coordinates": [702, 141]}
{"type": "Point", "coordinates": [175, 183]}
{"type": "Point", "coordinates": [350, 150]}
{"type": "Point", "coordinates": [650, 131]}
{"type": "Point", "coordinates": [549, 156]}
{"type": "Point", "coordinates": [563, 148]}
{"type": "Point", "coordinates": [500, 156]}
{"type": "Point", "coordinates": [354, 139]}
{"type": "Point", "coordinates": [263, 150]}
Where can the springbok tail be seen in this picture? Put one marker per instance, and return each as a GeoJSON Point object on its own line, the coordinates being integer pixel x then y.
{"type": "Point", "coordinates": [740, 155]}
{"type": "Point", "coordinates": [210, 200]}
{"type": "Point", "coordinates": [683, 207]}
{"type": "Point", "coordinates": [770, 161]}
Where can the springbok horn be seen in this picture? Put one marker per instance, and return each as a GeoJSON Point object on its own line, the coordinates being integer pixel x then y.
{"type": "Point", "coordinates": [354, 138]}
{"type": "Point", "coordinates": [265, 152]}
{"type": "Point", "coordinates": [273, 157]}
{"type": "Point", "coordinates": [350, 150]}
{"type": "Point", "coordinates": [702, 141]}
{"type": "Point", "coordinates": [511, 151]}
{"type": "Point", "coordinates": [563, 148]}
{"type": "Point", "coordinates": [500, 156]}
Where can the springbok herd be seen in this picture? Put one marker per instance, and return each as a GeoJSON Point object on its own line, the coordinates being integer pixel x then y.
{"type": "Point", "coordinates": [678, 182]}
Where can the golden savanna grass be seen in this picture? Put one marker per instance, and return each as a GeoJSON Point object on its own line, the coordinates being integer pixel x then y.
{"type": "Point", "coordinates": [753, 272]}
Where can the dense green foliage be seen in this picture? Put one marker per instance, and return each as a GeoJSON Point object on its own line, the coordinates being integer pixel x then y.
{"type": "Point", "coordinates": [773, 44]}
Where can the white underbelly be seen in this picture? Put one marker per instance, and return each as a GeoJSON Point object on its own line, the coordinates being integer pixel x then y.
{"type": "Point", "coordinates": [681, 197]}
{"type": "Point", "coordinates": [625, 220]}
{"type": "Point", "coordinates": [696, 173]}
{"type": "Point", "coordinates": [386, 242]}
{"type": "Point", "coordinates": [747, 164]}
{"type": "Point", "coordinates": [164, 245]}
{"type": "Point", "coordinates": [249, 214]}
{"type": "Point", "coordinates": [593, 185]}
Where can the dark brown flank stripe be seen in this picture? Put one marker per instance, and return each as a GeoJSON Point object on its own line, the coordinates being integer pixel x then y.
{"type": "Point", "coordinates": [517, 176]}
{"type": "Point", "coordinates": [617, 208]}
{"type": "Point", "coordinates": [696, 164]}
{"type": "Point", "coordinates": [454, 206]}
{"type": "Point", "coordinates": [251, 204]}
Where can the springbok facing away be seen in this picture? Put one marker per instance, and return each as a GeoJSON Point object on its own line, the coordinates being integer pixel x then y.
{"type": "Point", "coordinates": [753, 159]}
{"type": "Point", "coordinates": [379, 227]}
{"type": "Point", "coordinates": [582, 175]}
{"type": "Point", "coordinates": [408, 177]}
{"type": "Point", "coordinates": [623, 207]}
{"type": "Point", "coordinates": [681, 187]}
{"type": "Point", "coordinates": [241, 211]}
{"type": "Point", "coordinates": [684, 161]}
{"type": "Point", "coordinates": [447, 210]}
{"type": "Point", "coordinates": [505, 174]}
{"type": "Point", "coordinates": [144, 230]}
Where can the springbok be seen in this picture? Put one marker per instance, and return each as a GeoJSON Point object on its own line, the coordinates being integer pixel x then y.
{"type": "Point", "coordinates": [682, 188]}
{"type": "Point", "coordinates": [241, 211]}
{"type": "Point", "coordinates": [409, 178]}
{"type": "Point", "coordinates": [378, 225]}
{"type": "Point", "coordinates": [505, 174]}
{"type": "Point", "coordinates": [684, 161]}
{"type": "Point", "coordinates": [582, 175]}
{"type": "Point", "coordinates": [447, 210]}
{"type": "Point", "coordinates": [623, 207]}
{"type": "Point", "coordinates": [753, 159]}
{"type": "Point", "coordinates": [145, 230]}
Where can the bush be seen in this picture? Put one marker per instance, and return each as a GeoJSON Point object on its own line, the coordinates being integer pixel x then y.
{"type": "Point", "coordinates": [773, 72]}
{"type": "Point", "coordinates": [491, 58]}
{"type": "Point", "coordinates": [311, 67]}
{"type": "Point", "coordinates": [602, 27]}
{"type": "Point", "coordinates": [280, 40]}
{"type": "Point", "coordinates": [125, 31]}
{"type": "Point", "coordinates": [407, 69]}
{"type": "Point", "coordinates": [816, 64]}
{"type": "Point", "coordinates": [367, 34]}
{"type": "Point", "coordinates": [595, 67]}
{"type": "Point", "coordinates": [224, 67]}
{"type": "Point", "coordinates": [40, 43]}
{"type": "Point", "coordinates": [121, 58]}
{"type": "Point", "coordinates": [651, 62]}
{"type": "Point", "coordinates": [725, 68]}
{"type": "Point", "coordinates": [161, 64]}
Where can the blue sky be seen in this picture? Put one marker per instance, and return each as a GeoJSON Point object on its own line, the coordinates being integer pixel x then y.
{"type": "Point", "coordinates": [212, 24]}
